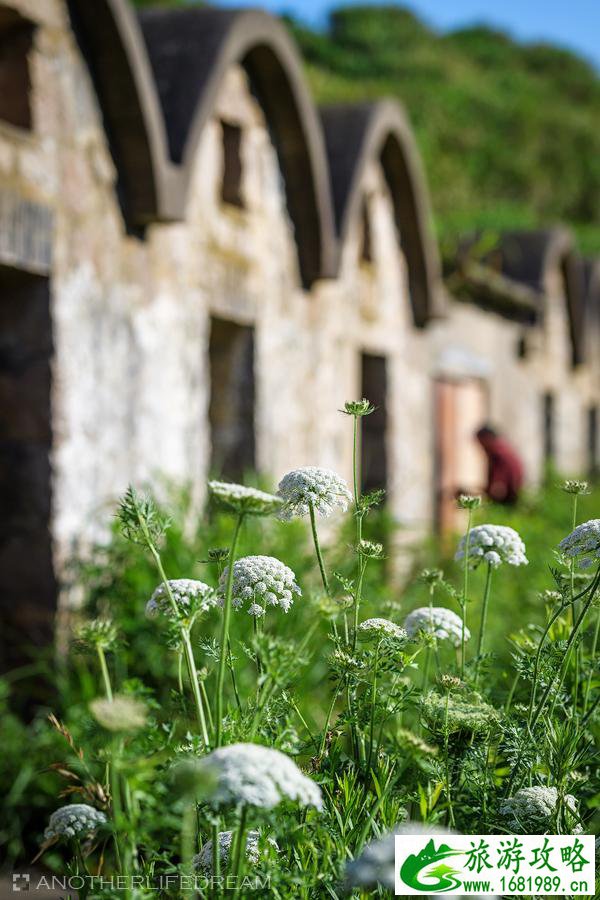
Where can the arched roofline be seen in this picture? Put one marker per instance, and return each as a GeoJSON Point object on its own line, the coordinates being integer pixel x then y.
{"type": "Point", "coordinates": [358, 135]}
{"type": "Point", "coordinates": [157, 85]}
{"type": "Point", "coordinates": [532, 256]}
{"type": "Point", "coordinates": [112, 45]}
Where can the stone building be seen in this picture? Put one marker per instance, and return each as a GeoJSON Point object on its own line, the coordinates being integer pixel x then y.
{"type": "Point", "coordinates": [198, 267]}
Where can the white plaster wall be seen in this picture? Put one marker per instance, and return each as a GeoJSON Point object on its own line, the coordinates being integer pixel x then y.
{"type": "Point", "coordinates": [131, 317]}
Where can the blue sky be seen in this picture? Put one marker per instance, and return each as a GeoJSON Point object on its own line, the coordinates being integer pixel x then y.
{"type": "Point", "coordinates": [571, 23]}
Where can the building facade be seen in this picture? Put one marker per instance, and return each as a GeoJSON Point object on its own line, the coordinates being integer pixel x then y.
{"type": "Point", "coordinates": [198, 267]}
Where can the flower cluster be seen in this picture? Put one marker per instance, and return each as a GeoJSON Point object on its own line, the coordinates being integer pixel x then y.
{"type": "Point", "coordinates": [441, 623]}
{"type": "Point", "coordinates": [532, 810]}
{"type": "Point", "coordinates": [253, 775]}
{"type": "Point", "coordinates": [468, 713]}
{"type": "Point", "coordinates": [379, 628]}
{"type": "Point", "coordinates": [260, 581]}
{"type": "Point", "coordinates": [73, 821]}
{"type": "Point", "coordinates": [241, 499]}
{"type": "Point", "coordinates": [191, 597]}
{"type": "Point", "coordinates": [583, 543]}
{"type": "Point", "coordinates": [310, 486]}
{"type": "Point", "coordinates": [100, 633]}
{"type": "Point", "coordinates": [204, 860]}
{"type": "Point", "coordinates": [122, 713]}
{"type": "Point", "coordinates": [493, 544]}
{"type": "Point", "coordinates": [376, 864]}
{"type": "Point", "coordinates": [358, 408]}
{"type": "Point", "coordinates": [570, 486]}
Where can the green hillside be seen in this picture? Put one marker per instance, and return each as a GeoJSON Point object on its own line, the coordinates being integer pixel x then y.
{"type": "Point", "coordinates": [509, 133]}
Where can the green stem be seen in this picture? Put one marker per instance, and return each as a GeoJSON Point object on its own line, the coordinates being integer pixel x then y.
{"type": "Point", "coordinates": [187, 646]}
{"type": "Point", "coordinates": [216, 859]}
{"type": "Point", "coordinates": [191, 664]}
{"type": "Point", "coordinates": [313, 525]}
{"type": "Point", "coordinates": [465, 593]}
{"type": "Point", "coordinates": [511, 694]}
{"type": "Point", "coordinates": [240, 843]}
{"type": "Point", "coordinates": [447, 762]}
{"type": "Point", "coordinates": [593, 662]}
{"type": "Point", "coordinates": [373, 700]}
{"type": "Point", "coordinates": [233, 678]}
{"type": "Point", "coordinates": [570, 642]}
{"type": "Point", "coordinates": [105, 673]}
{"type": "Point", "coordinates": [484, 612]}
{"type": "Point", "coordinates": [117, 809]}
{"type": "Point", "coordinates": [225, 632]}
{"type": "Point", "coordinates": [188, 821]}
{"type": "Point", "coordinates": [328, 720]}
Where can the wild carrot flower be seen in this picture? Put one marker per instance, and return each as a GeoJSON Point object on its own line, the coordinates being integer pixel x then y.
{"type": "Point", "coordinates": [203, 861]}
{"type": "Point", "coordinates": [100, 633]}
{"type": "Point", "coordinates": [191, 597]}
{"type": "Point", "coordinates": [311, 486]}
{"type": "Point", "coordinates": [253, 775]}
{"type": "Point", "coordinates": [570, 486]}
{"type": "Point", "coordinates": [260, 581]}
{"type": "Point", "coordinates": [379, 628]}
{"type": "Point", "coordinates": [438, 621]}
{"type": "Point", "coordinates": [121, 713]}
{"type": "Point", "coordinates": [468, 501]}
{"type": "Point", "coordinates": [376, 864]}
{"type": "Point", "coordinates": [532, 810]}
{"type": "Point", "coordinates": [241, 499]}
{"type": "Point", "coordinates": [583, 543]}
{"type": "Point", "coordinates": [73, 821]}
{"type": "Point", "coordinates": [358, 408]}
{"type": "Point", "coordinates": [453, 713]}
{"type": "Point", "coordinates": [493, 544]}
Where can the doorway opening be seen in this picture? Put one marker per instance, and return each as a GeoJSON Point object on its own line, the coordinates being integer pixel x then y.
{"type": "Point", "coordinates": [460, 409]}
{"type": "Point", "coordinates": [548, 424]}
{"type": "Point", "coordinates": [593, 442]}
{"type": "Point", "coordinates": [232, 398]}
{"type": "Point", "coordinates": [374, 457]}
{"type": "Point", "coordinates": [28, 588]}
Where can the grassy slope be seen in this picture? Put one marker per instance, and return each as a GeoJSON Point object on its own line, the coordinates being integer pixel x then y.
{"type": "Point", "coordinates": [508, 132]}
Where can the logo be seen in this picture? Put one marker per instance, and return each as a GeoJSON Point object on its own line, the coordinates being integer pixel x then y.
{"type": "Point", "coordinates": [486, 865]}
{"type": "Point", "coordinates": [20, 882]}
{"type": "Point", "coordinates": [439, 877]}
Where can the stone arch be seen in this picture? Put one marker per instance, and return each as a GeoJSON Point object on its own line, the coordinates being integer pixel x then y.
{"type": "Point", "coordinates": [356, 135]}
{"type": "Point", "coordinates": [157, 81]}
{"type": "Point", "coordinates": [531, 256]}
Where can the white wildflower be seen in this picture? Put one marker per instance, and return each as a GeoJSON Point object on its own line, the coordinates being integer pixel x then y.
{"type": "Point", "coordinates": [241, 499]}
{"type": "Point", "coordinates": [376, 864]}
{"type": "Point", "coordinates": [191, 597]}
{"type": "Point", "coordinates": [438, 621]}
{"type": "Point", "coordinates": [258, 776]}
{"type": "Point", "coordinates": [73, 821]}
{"type": "Point", "coordinates": [260, 581]}
{"type": "Point", "coordinates": [583, 543]}
{"type": "Point", "coordinates": [321, 488]}
{"type": "Point", "coordinates": [534, 808]}
{"type": "Point", "coordinates": [493, 544]}
{"type": "Point", "coordinates": [122, 713]}
{"type": "Point", "coordinates": [203, 861]}
{"type": "Point", "coordinates": [382, 628]}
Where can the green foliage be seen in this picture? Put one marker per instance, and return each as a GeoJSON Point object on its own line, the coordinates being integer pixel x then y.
{"type": "Point", "coordinates": [386, 727]}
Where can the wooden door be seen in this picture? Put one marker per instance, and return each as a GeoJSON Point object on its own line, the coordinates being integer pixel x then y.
{"type": "Point", "coordinates": [460, 409]}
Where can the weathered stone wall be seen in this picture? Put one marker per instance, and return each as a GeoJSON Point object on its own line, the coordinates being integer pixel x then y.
{"type": "Point", "coordinates": [131, 317]}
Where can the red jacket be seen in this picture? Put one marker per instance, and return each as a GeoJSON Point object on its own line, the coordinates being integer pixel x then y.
{"type": "Point", "coordinates": [505, 471]}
